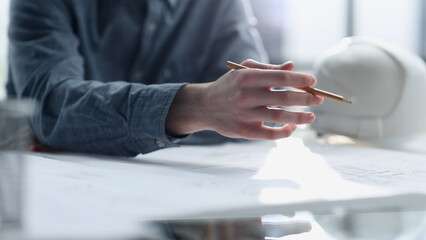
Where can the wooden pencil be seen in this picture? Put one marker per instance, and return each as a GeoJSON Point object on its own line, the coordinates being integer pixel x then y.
{"type": "Point", "coordinates": [311, 90]}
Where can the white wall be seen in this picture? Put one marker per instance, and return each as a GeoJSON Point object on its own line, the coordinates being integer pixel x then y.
{"type": "Point", "coordinates": [312, 26]}
{"type": "Point", "coordinates": [396, 21]}
{"type": "Point", "coordinates": [4, 15]}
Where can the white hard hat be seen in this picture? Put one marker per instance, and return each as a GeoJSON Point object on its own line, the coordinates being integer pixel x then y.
{"type": "Point", "coordinates": [387, 87]}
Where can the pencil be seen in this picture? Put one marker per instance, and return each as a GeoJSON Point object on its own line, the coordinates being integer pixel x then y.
{"type": "Point", "coordinates": [311, 90]}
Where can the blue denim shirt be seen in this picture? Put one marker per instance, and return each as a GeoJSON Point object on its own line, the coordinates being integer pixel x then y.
{"type": "Point", "coordinates": [105, 72]}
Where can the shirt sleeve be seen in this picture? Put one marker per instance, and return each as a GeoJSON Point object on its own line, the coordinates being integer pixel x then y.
{"type": "Point", "coordinates": [74, 113]}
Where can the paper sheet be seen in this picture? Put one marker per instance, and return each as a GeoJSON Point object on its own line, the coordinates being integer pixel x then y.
{"type": "Point", "coordinates": [375, 167]}
{"type": "Point", "coordinates": [396, 170]}
{"type": "Point", "coordinates": [229, 180]}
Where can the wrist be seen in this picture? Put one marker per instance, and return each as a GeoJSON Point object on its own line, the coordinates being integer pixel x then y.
{"type": "Point", "coordinates": [186, 114]}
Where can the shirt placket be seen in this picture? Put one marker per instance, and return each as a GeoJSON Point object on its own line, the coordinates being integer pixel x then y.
{"type": "Point", "coordinates": [150, 28]}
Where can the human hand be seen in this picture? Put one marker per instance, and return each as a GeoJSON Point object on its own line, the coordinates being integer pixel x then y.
{"type": "Point", "coordinates": [237, 104]}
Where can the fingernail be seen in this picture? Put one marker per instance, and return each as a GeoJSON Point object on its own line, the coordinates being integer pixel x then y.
{"type": "Point", "coordinates": [292, 126]}
{"type": "Point", "coordinates": [311, 117]}
{"type": "Point", "coordinates": [312, 80]}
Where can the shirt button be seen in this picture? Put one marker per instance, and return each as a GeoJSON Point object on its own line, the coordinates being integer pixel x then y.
{"type": "Point", "coordinates": [152, 26]}
{"type": "Point", "coordinates": [138, 75]}
{"type": "Point", "coordinates": [167, 74]}
{"type": "Point", "coordinates": [159, 143]}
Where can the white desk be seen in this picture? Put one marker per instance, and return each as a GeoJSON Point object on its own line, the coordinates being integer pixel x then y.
{"type": "Point", "coordinates": [71, 194]}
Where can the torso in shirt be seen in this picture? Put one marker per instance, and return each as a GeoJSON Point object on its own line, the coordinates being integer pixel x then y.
{"type": "Point", "coordinates": [144, 41]}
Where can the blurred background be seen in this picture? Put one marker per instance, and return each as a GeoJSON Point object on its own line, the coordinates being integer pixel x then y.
{"type": "Point", "coordinates": [300, 30]}
{"type": "Point", "coordinates": [4, 16]}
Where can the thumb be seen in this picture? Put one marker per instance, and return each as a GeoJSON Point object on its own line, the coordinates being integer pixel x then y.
{"type": "Point", "coordinates": [289, 66]}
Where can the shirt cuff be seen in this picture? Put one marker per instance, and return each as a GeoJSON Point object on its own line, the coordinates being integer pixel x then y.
{"type": "Point", "coordinates": [147, 124]}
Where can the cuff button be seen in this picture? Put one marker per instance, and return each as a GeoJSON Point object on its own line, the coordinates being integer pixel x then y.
{"type": "Point", "coordinates": [160, 144]}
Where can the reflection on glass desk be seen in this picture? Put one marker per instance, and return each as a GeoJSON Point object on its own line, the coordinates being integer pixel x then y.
{"type": "Point", "coordinates": [402, 225]}
{"type": "Point", "coordinates": [229, 191]}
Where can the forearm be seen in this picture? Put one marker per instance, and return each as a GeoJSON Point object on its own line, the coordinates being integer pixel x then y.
{"type": "Point", "coordinates": [109, 118]}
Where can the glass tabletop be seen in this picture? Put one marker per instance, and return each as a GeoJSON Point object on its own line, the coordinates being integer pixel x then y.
{"type": "Point", "coordinates": [401, 225]}
{"type": "Point", "coordinates": [18, 221]}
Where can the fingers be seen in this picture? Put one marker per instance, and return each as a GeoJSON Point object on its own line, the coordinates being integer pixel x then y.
{"type": "Point", "coordinates": [288, 66]}
{"type": "Point", "coordinates": [236, 105]}
{"type": "Point", "coordinates": [279, 116]}
{"type": "Point", "coordinates": [285, 98]}
{"type": "Point", "coordinates": [270, 133]}
{"type": "Point", "coordinates": [272, 78]}
{"type": "Point", "coordinates": [251, 123]}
